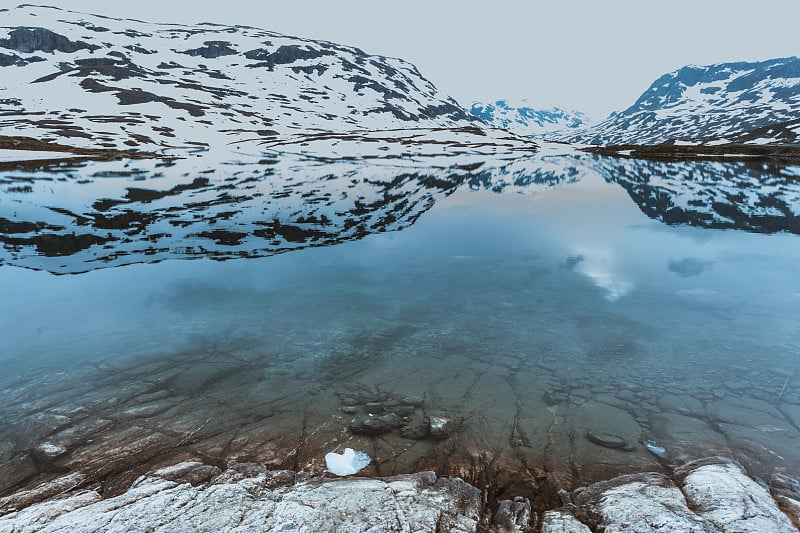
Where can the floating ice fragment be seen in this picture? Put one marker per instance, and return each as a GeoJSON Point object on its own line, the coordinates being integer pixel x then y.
{"type": "Point", "coordinates": [655, 449]}
{"type": "Point", "coordinates": [347, 463]}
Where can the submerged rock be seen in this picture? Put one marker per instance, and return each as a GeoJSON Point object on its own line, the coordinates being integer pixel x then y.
{"type": "Point", "coordinates": [414, 401]}
{"type": "Point", "coordinates": [416, 429]}
{"type": "Point", "coordinates": [441, 427]}
{"type": "Point", "coordinates": [376, 425]}
{"type": "Point", "coordinates": [555, 397]}
{"type": "Point", "coordinates": [50, 451]}
{"type": "Point", "coordinates": [610, 440]}
{"type": "Point", "coordinates": [681, 404]}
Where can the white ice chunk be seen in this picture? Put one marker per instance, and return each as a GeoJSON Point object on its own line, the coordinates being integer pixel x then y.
{"type": "Point", "coordinates": [347, 463]}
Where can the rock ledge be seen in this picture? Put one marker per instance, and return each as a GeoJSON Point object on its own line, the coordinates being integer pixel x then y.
{"type": "Point", "coordinates": [710, 495]}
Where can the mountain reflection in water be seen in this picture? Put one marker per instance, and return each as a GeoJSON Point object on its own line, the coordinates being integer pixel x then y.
{"type": "Point", "coordinates": [77, 217]}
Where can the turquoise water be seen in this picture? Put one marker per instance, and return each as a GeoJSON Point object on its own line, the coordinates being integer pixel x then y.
{"type": "Point", "coordinates": [528, 315]}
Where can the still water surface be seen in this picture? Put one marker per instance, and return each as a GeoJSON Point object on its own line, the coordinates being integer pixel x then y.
{"type": "Point", "coordinates": [531, 309]}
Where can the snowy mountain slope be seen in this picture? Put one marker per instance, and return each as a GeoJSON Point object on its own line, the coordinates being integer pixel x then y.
{"type": "Point", "coordinates": [92, 81]}
{"type": "Point", "coordinates": [524, 118]}
{"type": "Point", "coordinates": [757, 103]}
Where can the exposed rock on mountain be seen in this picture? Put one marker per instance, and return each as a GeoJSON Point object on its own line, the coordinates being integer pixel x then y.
{"type": "Point", "coordinates": [757, 103]}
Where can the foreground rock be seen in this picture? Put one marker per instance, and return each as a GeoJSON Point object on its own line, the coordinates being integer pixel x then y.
{"type": "Point", "coordinates": [192, 496]}
{"type": "Point", "coordinates": [715, 495]}
{"type": "Point", "coordinates": [712, 495]}
{"type": "Point", "coordinates": [720, 492]}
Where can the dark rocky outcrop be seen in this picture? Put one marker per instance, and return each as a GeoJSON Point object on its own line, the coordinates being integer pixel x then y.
{"type": "Point", "coordinates": [28, 40]}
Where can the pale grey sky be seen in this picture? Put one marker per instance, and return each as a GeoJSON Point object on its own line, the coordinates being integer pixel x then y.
{"type": "Point", "coordinates": [590, 55]}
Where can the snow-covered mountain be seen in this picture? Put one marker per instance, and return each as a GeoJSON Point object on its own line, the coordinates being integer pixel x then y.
{"type": "Point", "coordinates": [92, 81]}
{"type": "Point", "coordinates": [756, 103]}
{"type": "Point", "coordinates": [524, 118]}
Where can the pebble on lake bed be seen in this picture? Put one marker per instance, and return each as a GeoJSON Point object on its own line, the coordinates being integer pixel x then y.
{"type": "Point", "coordinates": [609, 440]}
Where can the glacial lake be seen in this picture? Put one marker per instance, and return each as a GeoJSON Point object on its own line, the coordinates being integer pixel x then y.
{"type": "Point", "coordinates": [267, 310]}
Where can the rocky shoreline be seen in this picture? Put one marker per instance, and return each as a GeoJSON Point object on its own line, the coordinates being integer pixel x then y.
{"type": "Point", "coordinates": [709, 495]}
{"type": "Point", "coordinates": [542, 432]}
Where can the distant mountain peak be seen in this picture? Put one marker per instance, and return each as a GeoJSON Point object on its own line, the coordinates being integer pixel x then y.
{"type": "Point", "coordinates": [526, 118]}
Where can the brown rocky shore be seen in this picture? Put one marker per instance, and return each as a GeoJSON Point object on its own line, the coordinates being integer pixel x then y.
{"type": "Point", "coordinates": [709, 495]}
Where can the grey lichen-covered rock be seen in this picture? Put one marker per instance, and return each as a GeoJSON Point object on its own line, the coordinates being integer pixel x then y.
{"type": "Point", "coordinates": [711, 495]}
{"type": "Point", "coordinates": [639, 502]}
{"type": "Point", "coordinates": [561, 521]}
{"type": "Point", "coordinates": [719, 490]}
{"type": "Point", "coordinates": [251, 498]}
{"type": "Point", "coordinates": [708, 495]}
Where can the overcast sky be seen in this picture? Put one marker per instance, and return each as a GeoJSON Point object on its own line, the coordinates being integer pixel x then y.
{"type": "Point", "coordinates": [590, 55]}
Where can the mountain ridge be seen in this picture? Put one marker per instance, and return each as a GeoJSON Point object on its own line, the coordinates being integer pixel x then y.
{"type": "Point", "coordinates": [95, 81]}
{"type": "Point", "coordinates": [724, 103]}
